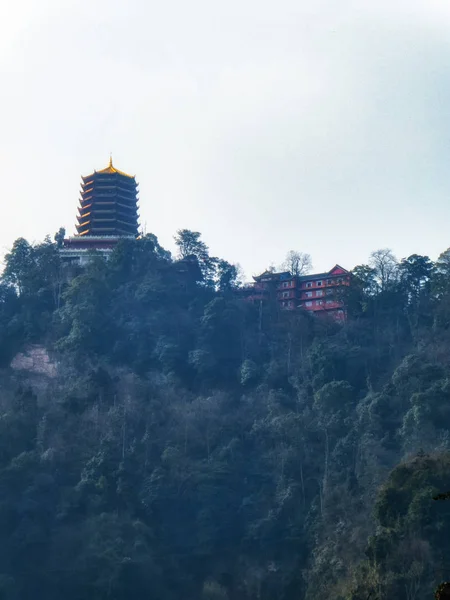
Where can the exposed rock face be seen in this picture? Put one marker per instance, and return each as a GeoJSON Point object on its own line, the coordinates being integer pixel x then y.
{"type": "Point", "coordinates": [34, 359]}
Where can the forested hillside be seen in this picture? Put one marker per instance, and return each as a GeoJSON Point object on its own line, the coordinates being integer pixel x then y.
{"type": "Point", "coordinates": [195, 447]}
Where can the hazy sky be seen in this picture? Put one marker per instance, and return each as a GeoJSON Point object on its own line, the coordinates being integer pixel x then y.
{"type": "Point", "coordinates": [320, 125]}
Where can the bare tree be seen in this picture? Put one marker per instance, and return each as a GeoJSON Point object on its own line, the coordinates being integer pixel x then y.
{"type": "Point", "coordinates": [386, 267]}
{"type": "Point", "coordinates": [297, 263]}
{"type": "Point", "coordinates": [240, 275]}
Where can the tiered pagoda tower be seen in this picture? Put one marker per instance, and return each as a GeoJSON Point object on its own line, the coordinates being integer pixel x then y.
{"type": "Point", "coordinates": [107, 213]}
{"type": "Point", "coordinates": [108, 204]}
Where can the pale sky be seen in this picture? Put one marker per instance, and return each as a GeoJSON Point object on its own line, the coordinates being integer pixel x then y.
{"type": "Point", "coordinates": [321, 126]}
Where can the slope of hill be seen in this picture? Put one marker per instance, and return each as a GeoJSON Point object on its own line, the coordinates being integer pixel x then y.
{"type": "Point", "coordinates": [190, 446]}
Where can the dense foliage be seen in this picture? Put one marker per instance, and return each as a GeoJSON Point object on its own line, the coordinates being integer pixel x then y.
{"type": "Point", "coordinates": [196, 446]}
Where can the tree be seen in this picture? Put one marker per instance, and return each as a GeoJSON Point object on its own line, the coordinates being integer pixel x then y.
{"type": "Point", "coordinates": [227, 276]}
{"type": "Point", "coordinates": [443, 263]}
{"type": "Point", "coordinates": [385, 266]}
{"type": "Point", "coordinates": [441, 278]}
{"type": "Point", "coordinates": [440, 287]}
{"type": "Point", "coordinates": [364, 279]}
{"type": "Point", "coordinates": [220, 335]}
{"type": "Point", "coordinates": [59, 237]}
{"type": "Point", "coordinates": [48, 267]}
{"type": "Point", "coordinates": [443, 591]}
{"type": "Point", "coordinates": [10, 326]}
{"type": "Point", "coordinates": [415, 273]}
{"type": "Point", "coordinates": [19, 264]}
{"type": "Point", "coordinates": [189, 243]}
{"type": "Point", "coordinates": [297, 263]}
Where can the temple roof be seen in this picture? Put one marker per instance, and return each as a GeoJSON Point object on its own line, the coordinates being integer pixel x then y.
{"type": "Point", "coordinates": [336, 270]}
{"type": "Point", "coordinates": [110, 169]}
{"type": "Point", "coordinates": [272, 275]}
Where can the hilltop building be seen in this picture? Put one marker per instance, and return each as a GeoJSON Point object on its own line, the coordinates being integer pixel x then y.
{"type": "Point", "coordinates": [320, 293]}
{"type": "Point", "coordinates": [107, 213]}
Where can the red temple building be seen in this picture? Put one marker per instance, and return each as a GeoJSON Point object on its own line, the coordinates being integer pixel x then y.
{"type": "Point", "coordinates": [107, 213]}
{"type": "Point", "coordinates": [319, 293]}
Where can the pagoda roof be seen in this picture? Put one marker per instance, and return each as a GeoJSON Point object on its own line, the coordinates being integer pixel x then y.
{"type": "Point", "coordinates": [110, 169]}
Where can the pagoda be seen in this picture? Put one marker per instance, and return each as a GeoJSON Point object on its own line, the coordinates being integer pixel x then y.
{"type": "Point", "coordinates": [108, 204]}
{"type": "Point", "coordinates": [107, 213]}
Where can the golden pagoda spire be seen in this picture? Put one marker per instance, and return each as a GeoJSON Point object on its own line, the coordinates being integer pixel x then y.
{"type": "Point", "coordinates": [112, 169]}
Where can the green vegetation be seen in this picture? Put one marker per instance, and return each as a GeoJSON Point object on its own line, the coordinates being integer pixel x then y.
{"type": "Point", "coordinates": [195, 446]}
